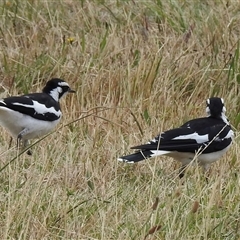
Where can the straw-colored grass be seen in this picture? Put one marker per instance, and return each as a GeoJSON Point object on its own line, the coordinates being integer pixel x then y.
{"type": "Point", "coordinates": [139, 67]}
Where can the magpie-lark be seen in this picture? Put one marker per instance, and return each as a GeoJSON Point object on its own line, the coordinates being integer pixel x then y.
{"type": "Point", "coordinates": [33, 115]}
{"type": "Point", "coordinates": [205, 139]}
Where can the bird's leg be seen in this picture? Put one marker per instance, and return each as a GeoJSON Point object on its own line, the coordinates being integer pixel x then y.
{"type": "Point", "coordinates": [182, 171]}
{"type": "Point", "coordinates": [23, 133]}
{"type": "Point", "coordinates": [205, 168]}
{"type": "Point", "coordinates": [19, 138]}
{"type": "Point", "coordinates": [24, 141]}
{"type": "Point", "coordinates": [10, 143]}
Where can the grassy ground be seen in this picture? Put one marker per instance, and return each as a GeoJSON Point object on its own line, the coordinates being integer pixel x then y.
{"type": "Point", "coordinates": [139, 67]}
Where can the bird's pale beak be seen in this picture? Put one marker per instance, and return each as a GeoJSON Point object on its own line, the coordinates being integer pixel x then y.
{"type": "Point", "coordinates": [71, 91]}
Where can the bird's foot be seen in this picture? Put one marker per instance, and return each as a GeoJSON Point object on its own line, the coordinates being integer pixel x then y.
{"type": "Point", "coordinates": [182, 171]}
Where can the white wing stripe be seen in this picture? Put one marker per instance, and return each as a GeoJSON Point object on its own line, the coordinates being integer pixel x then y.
{"type": "Point", "coordinates": [195, 136]}
{"type": "Point", "coordinates": [40, 108]}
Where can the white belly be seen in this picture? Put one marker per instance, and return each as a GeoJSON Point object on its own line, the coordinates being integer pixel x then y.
{"type": "Point", "coordinates": [15, 122]}
{"type": "Point", "coordinates": [207, 158]}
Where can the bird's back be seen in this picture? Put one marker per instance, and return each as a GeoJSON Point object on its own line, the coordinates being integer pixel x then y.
{"type": "Point", "coordinates": [191, 136]}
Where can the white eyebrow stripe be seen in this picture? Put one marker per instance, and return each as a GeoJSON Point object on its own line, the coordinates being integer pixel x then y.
{"type": "Point", "coordinates": [63, 84]}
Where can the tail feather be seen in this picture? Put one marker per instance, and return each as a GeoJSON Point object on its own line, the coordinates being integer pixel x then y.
{"type": "Point", "coordinates": [141, 155]}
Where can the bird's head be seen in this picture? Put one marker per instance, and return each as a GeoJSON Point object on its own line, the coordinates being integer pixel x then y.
{"type": "Point", "coordinates": [57, 88]}
{"type": "Point", "coordinates": [215, 108]}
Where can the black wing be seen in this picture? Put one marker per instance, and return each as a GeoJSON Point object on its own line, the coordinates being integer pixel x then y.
{"type": "Point", "coordinates": [40, 106]}
{"type": "Point", "coordinates": [196, 135]}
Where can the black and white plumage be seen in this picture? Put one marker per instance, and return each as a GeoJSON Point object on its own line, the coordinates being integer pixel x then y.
{"type": "Point", "coordinates": [33, 115]}
{"type": "Point", "coordinates": [205, 139]}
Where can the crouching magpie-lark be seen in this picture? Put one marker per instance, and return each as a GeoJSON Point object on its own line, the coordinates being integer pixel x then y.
{"type": "Point", "coordinates": [205, 139]}
{"type": "Point", "coordinates": [33, 115]}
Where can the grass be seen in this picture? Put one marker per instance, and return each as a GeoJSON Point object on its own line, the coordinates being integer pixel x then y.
{"type": "Point", "coordinates": [139, 67]}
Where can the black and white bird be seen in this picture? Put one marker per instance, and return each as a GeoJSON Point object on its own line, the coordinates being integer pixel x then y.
{"type": "Point", "coordinates": [33, 115]}
{"type": "Point", "coordinates": [204, 139]}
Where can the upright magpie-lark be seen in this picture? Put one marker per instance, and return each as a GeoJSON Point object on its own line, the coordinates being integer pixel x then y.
{"type": "Point", "coordinates": [204, 139]}
{"type": "Point", "coordinates": [33, 115]}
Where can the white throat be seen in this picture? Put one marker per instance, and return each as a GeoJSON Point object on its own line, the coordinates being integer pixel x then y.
{"type": "Point", "coordinates": [55, 93]}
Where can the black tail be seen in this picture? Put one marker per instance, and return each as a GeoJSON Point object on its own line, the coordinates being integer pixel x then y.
{"type": "Point", "coordinates": [136, 157]}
